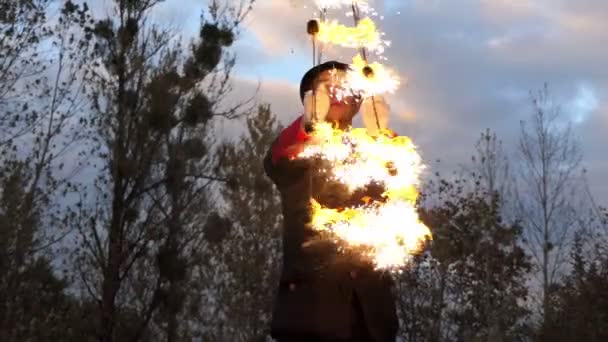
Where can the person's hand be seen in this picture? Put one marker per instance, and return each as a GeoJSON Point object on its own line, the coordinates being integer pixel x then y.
{"type": "Point", "coordinates": [375, 114]}
{"type": "Point", "coordinates": [316, 107]}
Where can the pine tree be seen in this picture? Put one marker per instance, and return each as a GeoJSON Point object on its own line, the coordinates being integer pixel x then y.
{"type": "Point", "coordinates": [251, 250]}
{"type": "Point", "coordinates": [579, 305]}
{"type": "Point", "coordinates": [469, 286]}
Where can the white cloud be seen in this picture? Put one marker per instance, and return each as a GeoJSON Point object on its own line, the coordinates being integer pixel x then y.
{"type": "Point", "coordinates": [279, 25]}
{"type": "Point", "coordinates": [584, 104]}
{"type": "Point", "coordinates": [470, 66]}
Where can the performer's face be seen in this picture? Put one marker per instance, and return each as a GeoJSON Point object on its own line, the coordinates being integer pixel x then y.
{"type": "Point", "coordinates": [342, 110]}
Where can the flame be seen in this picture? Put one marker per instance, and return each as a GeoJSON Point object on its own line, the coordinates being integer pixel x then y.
{"type": "Point", "coordinates": [364, 34]}
{"type": "Point", "coordinates": [383, 80]}
{"type": "Point", "coordinates": [386, 232]}
{"type": "Point", "coordinates": [355, 81]}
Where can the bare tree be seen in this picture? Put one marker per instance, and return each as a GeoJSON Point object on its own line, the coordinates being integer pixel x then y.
{"type": "Point", "coordinates": [23, 27]}
{"type": "Point", "coordinates": [548, 190]}
{"type": "Point", "coordinates": [41, 101]}
{"type": "Point", "coordinates": [153, 104]}
{"type": "Point", "coordinates": [491, 165]}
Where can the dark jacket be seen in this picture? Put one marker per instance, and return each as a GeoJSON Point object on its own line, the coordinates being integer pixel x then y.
{"type": "Point", "coordinates": [318, 283]}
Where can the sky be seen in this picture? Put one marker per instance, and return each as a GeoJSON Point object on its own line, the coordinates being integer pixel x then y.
{"type": "Point", "coordinates": [466, 65]}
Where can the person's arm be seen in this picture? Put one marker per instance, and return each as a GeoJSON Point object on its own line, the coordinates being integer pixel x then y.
{"type": "Point", "coordinates": [376, 112]}
{"type": "Point", "coordinates": [290, 142]}
{"type": "Point", "coordinates": [280, 163]}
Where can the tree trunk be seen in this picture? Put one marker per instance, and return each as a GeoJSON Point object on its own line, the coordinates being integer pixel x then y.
{"type": "Point", "coordinates": [111, 275]}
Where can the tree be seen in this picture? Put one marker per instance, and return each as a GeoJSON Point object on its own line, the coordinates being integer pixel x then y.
{"type": "Point", "coordinates": [140, 237]}
{"type": "Point", "coordinates": [469, 285]}
{"type": "Point", "coordinates": [547, 203]}
{"type": "Point", "coordinates": [491, 165]}
{"type": "Point", "coordinates": [251, 251]}
{"type": "Point", "coordinates": [487, 266]}
{"type": "Point", "coordinates": [421, 299]}
{"type": "Point", "coordinates": [580, 303]}
{"type": "Point", "coordinates": [40, 101]}
{"type": "Point", "coordinates": [23, 25]}
{"type": "Point", "coordinates": [20, 276]}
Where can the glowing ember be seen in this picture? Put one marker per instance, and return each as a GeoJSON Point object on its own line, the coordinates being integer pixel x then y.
{"type": "Point", "coordinates": [387, 231]}
{"type": "Point", "coordinates": [382, 80]}
{"type": "Point", "coordinates": [364, 34]}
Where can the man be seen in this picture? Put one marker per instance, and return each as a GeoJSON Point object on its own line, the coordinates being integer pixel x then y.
{"type": "Point", "coordinates": [324, 294]}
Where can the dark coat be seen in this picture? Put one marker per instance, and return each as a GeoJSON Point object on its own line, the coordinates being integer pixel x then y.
{"type": "Point", "coordinates": [317, 283]}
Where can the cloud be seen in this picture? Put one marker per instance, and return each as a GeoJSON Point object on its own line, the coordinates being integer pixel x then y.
{"type": "Point", "coordinates": [470, 65]}
{"type": "Point", "coordinates": [283, 97]}
{"type": "Point", "coordinates": [279, 26]}
{"type": "Point", "coordinates": [583, 105]}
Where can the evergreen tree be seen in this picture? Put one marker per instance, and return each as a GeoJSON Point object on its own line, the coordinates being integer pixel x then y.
{"type": "Point", "coordinates": [469, 285]}
{"type": "Point", "coordinates": [580, 304]}
{"type": "Point", "coordinates": [31, 296]}
{"type": "Point", "coordinates": [251, 250]}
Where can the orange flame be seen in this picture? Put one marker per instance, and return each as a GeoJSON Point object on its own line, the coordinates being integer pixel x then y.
{"type": "Point", "coordinates": [381, 81]}
{"type": "Point", "coordinates": [364, 34]}
{"type": "Point", "coordinates": [391, 231]}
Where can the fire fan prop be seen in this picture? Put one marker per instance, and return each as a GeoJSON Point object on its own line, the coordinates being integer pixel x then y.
{"type": "Point", "coordinates": [387, 231]}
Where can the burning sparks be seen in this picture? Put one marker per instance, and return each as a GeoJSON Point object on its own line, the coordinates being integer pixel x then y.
{"type": "Point", "coordinates": [381, 81]}
{"type": "Point", "coordinates": [364, 34]}
{"type": "Point", "coordinates": [386, 231]}
{"type": "Point", "coordinates": [376, 230]}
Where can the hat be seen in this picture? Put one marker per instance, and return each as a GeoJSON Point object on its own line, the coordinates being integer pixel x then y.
{"type": "Point", "coordinates": [311, 75]}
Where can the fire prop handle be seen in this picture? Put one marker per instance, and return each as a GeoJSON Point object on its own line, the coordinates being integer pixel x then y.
{"type": "Point", "coordinates": [367, 71]}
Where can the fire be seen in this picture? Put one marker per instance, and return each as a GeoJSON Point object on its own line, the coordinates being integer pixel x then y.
{"type": "Point", "coordinates": [381, 81]}
{"type": "Point", "coordinates": [364, 34]}
{"type": "Point", "coordinates": [387, 232]}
